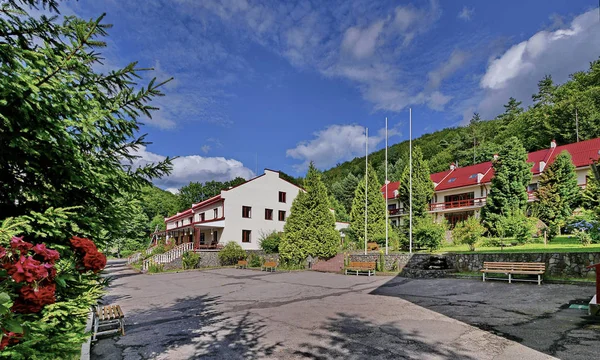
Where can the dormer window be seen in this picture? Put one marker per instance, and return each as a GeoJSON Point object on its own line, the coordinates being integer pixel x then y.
{"type": "Point", "coordinates": [473, 176]}
{"type": "Point", "coordinates": [452, 180]}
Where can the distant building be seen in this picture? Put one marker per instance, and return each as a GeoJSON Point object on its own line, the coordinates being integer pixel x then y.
{"type": "Point", "coordinates": [461, 192]}
{"type": "Point", "coordinates": [241, 214]}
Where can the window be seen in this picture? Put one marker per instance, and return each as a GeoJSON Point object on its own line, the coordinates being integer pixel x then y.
{"type": "Point", "coordinates": [246, 236]}
{"type": "Point", "coordinates": [452, 180]}
{"type": "Point", "coordinates": [281, 196]}
{"type": "Point", "coordinates": [176, 223]}
{"type": "Point", "coordinates": [532, 187]}
{"type": "Point", "coordinates": [216, 213]}
{"type": "Point", "coordinates": [202, 217]}
{"type": "Point", "coordinates": [473, 176]}
{"type": "Point", "coordinates": [246, 211]}
{"type": "Point", "coordinates": [268, 214]}
{"type": "Point", "coordinates": [281, 215]}
{"type": "Point", "coordinates": [191, 219]}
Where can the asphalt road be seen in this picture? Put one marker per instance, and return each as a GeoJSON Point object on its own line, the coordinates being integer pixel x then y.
{"type": "Point", "coordinates": [246, 314]}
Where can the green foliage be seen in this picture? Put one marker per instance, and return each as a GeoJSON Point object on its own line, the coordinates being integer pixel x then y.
{"type": "Point", "coordinates": [158, 203]}
{"type": "Point", "coordinates": [310, 228]}
{"type": "Point", "coordinates": [422, 186]}
{"type": "Point", "coordinates": [376, 209]}
{"type": "Point", "coordinates": [558, 192]}
{"type": "Point", "coordinates": [339, 211]}
{"type": "Point", "coordinates": [344, 190]}
{"type": "Point", "coordinates": [468, 232]}
{"type": "Point", "coordinates": [590, 196]}
{"type": "Point", "coordinates": [269, 243]}
{"type": "Point", "coordinates": [509, 186]}
{"type": "Point", "coordinates": [196, 192]}
{"type": "Point", "coordinates": [255, 260]}
{"type": "Point", "coordinates": [427, 234]}
{"type": "Point", "coordinates": [381, 261]}
{"type": "Point", "coordinates": [190, 260]}
{"type": "Point", "coordinates": [516, 224]}
{"type": "Point", "coordinates": [231, 253]}
{"type": "Point", "coordinates": [583, 237]}
{"type": "Point", "coordinates": [156, 268]}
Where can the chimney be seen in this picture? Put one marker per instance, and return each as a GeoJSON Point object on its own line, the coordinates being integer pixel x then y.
{"type": "Point", "coordinates": [542, 165]}
{"type": "Point", "coordinates": [552, 144]}
{"type": "Point", "coordinates": [452, 166]}
{"type": "Point", "coordinates": [496, 156]}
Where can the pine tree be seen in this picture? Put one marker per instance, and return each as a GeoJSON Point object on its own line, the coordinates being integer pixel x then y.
{"type": "Point", "coordinates": [310, 228]}
{"type": "Point", "coordinates": [344, 191]}
{"type": "Point", "coordinates": [422, 186]}
{"type": "Point", "coordinates": [509, 186]}
{"type": "Point", "coordinates": [590, 196]}
{"type": "Point", "coordinates": [340, 211]}
{"type": "Point", "coordinates": [558, 192]}
{"type": "Point", "coordinates": [376, 209]}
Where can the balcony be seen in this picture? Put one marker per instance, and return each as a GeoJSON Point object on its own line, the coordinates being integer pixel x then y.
{"type": "Point", "coordinates": [396, 212]}
{"type": "Point", "coordinates": [466, 203]}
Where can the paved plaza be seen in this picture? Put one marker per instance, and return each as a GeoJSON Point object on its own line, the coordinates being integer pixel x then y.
{"type": "Point", "coordinates": [247, 314]}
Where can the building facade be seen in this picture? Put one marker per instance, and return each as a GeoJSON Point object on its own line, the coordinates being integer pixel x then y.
{"type": "Point", "coordinates": [461, 192]}
{"type": "Point", "coordinates": [242, 214]}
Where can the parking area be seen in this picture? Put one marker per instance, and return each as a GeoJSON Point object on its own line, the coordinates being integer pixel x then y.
{"type": "Point", "coordinates": [247, 314]}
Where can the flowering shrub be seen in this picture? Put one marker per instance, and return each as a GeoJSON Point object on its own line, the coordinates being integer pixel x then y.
{"type": "Point", "coordinates": [91, 258]}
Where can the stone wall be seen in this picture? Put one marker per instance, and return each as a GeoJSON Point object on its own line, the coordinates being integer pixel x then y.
{"type": "Point", "coordinates": [210, 258]}
{"type": "Point", "coordinates": [557, 264]}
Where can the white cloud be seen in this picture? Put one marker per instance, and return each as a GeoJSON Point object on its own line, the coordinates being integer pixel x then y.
{"type": "Point", "coordinates": [411, 21]}
{"type": "Point", "coordinates": [466, 13]}
{"type": "Point", "coordinates": [362, 42]}
{"type": "Point", "coordinates": [205, 148]}
{"type": "Point", "coordinates": [193, 168]}
{"type": "Point", "coordinates": [437, 100]}
{"type": "Point", "coordinates": [457, 59]}
{"type": "Point", "coordinates": [558, 53]}
{"type": "Point", "coordinates": [336, 143]}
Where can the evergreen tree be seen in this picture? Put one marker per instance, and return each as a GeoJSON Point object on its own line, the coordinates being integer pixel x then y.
{"type": "Point", "coordinates": [340, 212]}
{"type": "Point", "coordinates": [344, 191]}
{"type": "Point", "coordinates": [376, 209]}
{"type": "Point", "coordinates": [422, 186]}
{"type": "Point", "coordinates": [590, 196]}
{"type": "Point", "coordinates": [398, 169]}
{"type": "Point", "coordinates": [509, 185]}
{"type": "Point", "coordinates": [545, 95]}
{"type": "Point", "coordinates": [558, 192]}
{"type": "Point", "coordinates": [310, 228]}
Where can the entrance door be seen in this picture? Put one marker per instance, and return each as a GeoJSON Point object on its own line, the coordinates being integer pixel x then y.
{"type": "Point", "coordinates": [202, 238]}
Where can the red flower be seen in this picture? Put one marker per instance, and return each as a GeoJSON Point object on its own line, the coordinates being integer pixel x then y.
{"type": "Point", "coordinates": [25, 307]}
{"type": "Point", "coordinates": [18, 244]}
{"type": "Point", "coordinates": [42, 295]}
{"type": "Point", "coordinates": [51, 270]}
{"type": "Point", "coordinates": [2, 252]}
{"type": "Point", "coordinates": [9, 338]}
{"type": "Point", "coordinates": [26, 269]}
{"type": "Point", "coordinates": [83, 245]}
{"type": "Point", "coordinates": [94, 261]}
{"type": "Point", "coordinates": [47, 254]}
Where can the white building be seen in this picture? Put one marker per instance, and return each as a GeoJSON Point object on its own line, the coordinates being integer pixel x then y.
{"type": "Point", "coordinates": [241, 214]}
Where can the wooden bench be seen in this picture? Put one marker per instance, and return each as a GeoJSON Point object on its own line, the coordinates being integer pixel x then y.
{"type": "Point", "coordinates": [372, 246]}
{"type": "Point", "coordinates": [512, 268]}
{"type": "Point", "coordinates": [242, 264]}
{"type": "Point", "coordinates": [108, 320]}
{"type": "Point", "coordinates": [360, 267]}
{"type": "Point", "coordinates": [269, 266]}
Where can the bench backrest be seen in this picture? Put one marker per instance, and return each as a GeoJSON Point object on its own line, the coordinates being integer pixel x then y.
{"type": "Point", "coordinates": [362, 265]}
{"type": "Point", "coordinates": [242, 262]}
{"type": "Point", "coordinates": [514, 266]}
{"type": "Point", "coordinates": [372, 245]}
{"type": "Point", "coordinates": [270, 264]}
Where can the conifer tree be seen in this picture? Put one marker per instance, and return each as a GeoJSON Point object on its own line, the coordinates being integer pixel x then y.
{"type": "Point", "coordinates": [558, 192]}
{"type": "Point", "coordinates": [422, 186]}
{"type": "Point", "coordinates": [509, 186]}
{"type": "Point", "coordinates": [310, 228]}
{"type": "Point", "coordinates": [376, 209]}
{"type": "Point", "coordinates": [344, 190]}
{"type": "Point", "coordinates": [590, 196]}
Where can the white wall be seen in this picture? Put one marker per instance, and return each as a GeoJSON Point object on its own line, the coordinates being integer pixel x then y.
{"type": "Point", "coordinates": [209, 211]}
{"type": "Point", "coordinates": [260, 194]}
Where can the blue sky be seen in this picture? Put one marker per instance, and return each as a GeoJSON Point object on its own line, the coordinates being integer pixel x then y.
{"type": "Point", "coordinates": [285, 83]}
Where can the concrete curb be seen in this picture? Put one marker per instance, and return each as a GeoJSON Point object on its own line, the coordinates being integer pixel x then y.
{"type": "Point", "coordinates": [86, 346]}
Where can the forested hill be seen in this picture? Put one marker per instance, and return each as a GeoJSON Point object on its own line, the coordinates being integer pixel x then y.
{"type": "Point", "coordinates": [552, 116]}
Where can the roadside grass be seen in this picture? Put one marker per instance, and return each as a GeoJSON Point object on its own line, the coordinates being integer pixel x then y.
{"type": "Point", "coordinates": [560, 244]}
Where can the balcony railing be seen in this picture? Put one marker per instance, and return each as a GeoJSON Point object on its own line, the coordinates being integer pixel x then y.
{"type": "Point", "coordinates": [457, 204]}
{"type": "Point", "coordinates": [397, 211]}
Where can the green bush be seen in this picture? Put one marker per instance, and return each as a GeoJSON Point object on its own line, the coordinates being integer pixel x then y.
{"type": "Point", "coordinates": [269, 243]}
{"type": "Point", "coordinates": [468, 232]}
{"type": "Point", "coordinates": [156, 268]}
{"type": "Point", "coordinates": [427, 234]}
{"type": "Point", "coordinates": [583, 236]}
{"type": "Point", "coordinates": [127, 253]}
{"type": "Point", "coordinates": [381, 261]}
{"type": "Point", "coordinates": [517, 225]}
{"type": "Point", "coordinates": [255, 260]}
{"type": "Point", "coordinates": [488, 242]}
{"type": "Point", "coordinates": [231, 254]}
{"type": "Point", "coordinates": [190, 260]}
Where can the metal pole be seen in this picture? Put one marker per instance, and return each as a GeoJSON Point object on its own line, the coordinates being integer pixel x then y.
{"type": "Point", "coordinates": [410, 224]}
{"type": "Point", "coordinates": [387, 213]}
{"type": "Point", "coordinates": [576, 124]}
{"type": "Point", "coordinates": [366, 181]}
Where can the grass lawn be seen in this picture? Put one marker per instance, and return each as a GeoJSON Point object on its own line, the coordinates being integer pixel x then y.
{"type": "Point", "coordinates": [559, 244]}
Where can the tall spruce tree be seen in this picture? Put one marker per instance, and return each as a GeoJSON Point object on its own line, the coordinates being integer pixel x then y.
{"type": "Point", "coordinates": [509, 185]}
{"type": "Point", "coordinates": [422, 186]}
{"type": "Point", "coordinates": [558, 192]}
{"type": "Point", "coordinates": [376, 209]}
{"type": "Point", "coordinates": [344, 191]}
{"type": "Point", "coordinates": [590, 196]}
{"type": "Point", "coordinates": [310, 228]}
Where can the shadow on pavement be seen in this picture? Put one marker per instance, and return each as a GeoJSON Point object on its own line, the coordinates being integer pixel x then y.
{"type": "Point", "coordinates": [538, 317]}
{"type": "Point", "coordinates": [349, 337]}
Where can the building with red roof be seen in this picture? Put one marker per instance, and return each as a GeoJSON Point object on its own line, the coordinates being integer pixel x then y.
{"type": "Point", "coordinates": [461, 192]}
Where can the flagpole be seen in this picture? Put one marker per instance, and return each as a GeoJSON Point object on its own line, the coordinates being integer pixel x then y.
{"type": "Point", "coordinates": [387, 213]}
{"type": "Point", "coordinates": [410, 167]}
{"type": "Point", "coordinates": [366, 181]}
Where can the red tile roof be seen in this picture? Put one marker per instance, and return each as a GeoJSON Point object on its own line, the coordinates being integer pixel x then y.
{"type": "Point", "coordinates": [462, 176]}
{"type": "Point", "coordinates": [391, 187]}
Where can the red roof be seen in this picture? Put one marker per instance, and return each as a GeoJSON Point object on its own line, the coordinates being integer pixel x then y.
{"type": "Point", "coordinates": [179, 215]}
{"type": "Point", "coordinates": [391, 187]}
{"type": "Point", "coordinates": [462, 176]}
